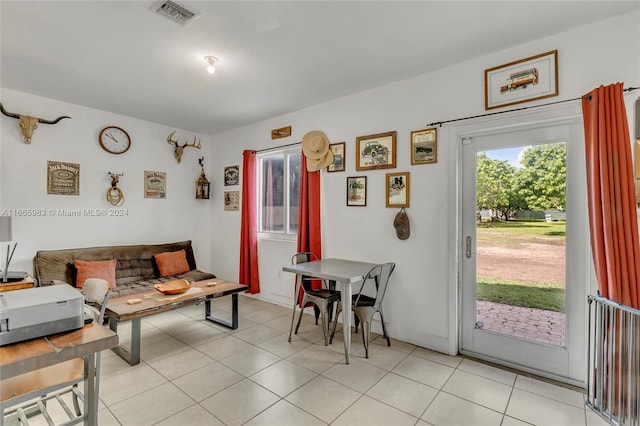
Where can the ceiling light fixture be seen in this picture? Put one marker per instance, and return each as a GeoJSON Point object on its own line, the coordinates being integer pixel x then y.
{"type": "Point", "coordinates": [211, 63]}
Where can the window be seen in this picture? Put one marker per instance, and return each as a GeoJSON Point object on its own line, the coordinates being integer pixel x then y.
{"type": "Point", "coordinates": [279, 192]}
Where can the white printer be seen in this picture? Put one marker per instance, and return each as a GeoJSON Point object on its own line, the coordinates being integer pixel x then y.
{"type": "Point", "coordinates": [39, 311]}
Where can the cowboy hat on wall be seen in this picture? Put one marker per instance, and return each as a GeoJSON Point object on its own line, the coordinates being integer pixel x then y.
{"type": "Point", "coordinates": [315, 147]}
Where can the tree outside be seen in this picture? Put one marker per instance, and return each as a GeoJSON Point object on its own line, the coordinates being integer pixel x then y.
{"type": "Point", "coordinates": [540, 184]}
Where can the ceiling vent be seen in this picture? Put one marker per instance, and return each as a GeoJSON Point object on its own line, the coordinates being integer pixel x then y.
{"type": "Point", "coordinates": [174, 12]}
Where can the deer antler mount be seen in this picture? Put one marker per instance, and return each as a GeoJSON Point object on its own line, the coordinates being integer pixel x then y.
{"type": "Point", "coordinates": [179, 149]}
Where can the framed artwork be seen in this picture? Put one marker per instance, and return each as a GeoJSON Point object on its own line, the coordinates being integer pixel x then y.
{"type": "Point", "coordinates": [231, 175]}
{"type": "Point", "coordinates": [231, 200]}
{"type": "Point", "coordinates": [63, 178]}
{"type": "Point", "coordinates": [424, 146]}
{"type": "Point", "coordinates": [525, 80]}
{"type": "Point", "coordinates": [397, 189]}
{"type": "Point", "coordinates": [357, 191]}
{"type": "Point", "coordinates": [338, 157]}
{"type": "Point", "coordinates": [155, 184]}
{"type": "Point", "coordinates": [376, 151]}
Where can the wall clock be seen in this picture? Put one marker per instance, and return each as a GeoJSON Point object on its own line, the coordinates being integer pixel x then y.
{"type": "Point", "coordinates": [114, 140]}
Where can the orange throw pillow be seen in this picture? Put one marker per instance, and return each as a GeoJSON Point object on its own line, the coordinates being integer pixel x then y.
{"type": "Point", "coordinates": [105, 269]}
{"type": "Point", "coordinates": [172, 263]}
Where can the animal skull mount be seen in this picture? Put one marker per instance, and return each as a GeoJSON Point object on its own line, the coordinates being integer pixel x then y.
{"type": "Point", "coordinates": [28, 124]}
{"type": "Point", "coordinates": [179, 149]}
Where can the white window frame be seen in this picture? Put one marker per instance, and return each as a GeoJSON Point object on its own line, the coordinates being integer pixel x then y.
{"type": "Point", "coordinates": [284, 234]}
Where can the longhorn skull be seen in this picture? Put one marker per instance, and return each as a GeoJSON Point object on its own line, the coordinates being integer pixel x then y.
{"type": "Point", "coordinates": [28, 124]}
{"type": "Point", "coordinates": [179, 149]}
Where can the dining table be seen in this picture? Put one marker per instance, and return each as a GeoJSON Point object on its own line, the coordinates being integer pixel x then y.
{"type": "Point", "coordinates": [342, 272]}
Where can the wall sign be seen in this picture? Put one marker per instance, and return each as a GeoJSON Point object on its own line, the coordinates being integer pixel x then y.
{"type": "Point", "coordinates": [231, 200]}
{"type": "Point", "coordinates": [155, 184]}
{"type": "Point", "coordinates": [231, 175]}
{"type": "Point", "coordinates": [63, 178]}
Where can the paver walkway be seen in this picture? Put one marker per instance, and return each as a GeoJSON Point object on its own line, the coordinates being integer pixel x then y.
{"type": "Point", "coordinates": [529, 323]}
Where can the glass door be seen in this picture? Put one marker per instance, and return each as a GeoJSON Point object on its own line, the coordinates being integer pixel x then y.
{"type": "Point", "coordinates": [524, 250]}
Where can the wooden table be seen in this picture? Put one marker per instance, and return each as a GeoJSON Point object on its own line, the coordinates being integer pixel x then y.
{"type": "Point", "coordinates": [31, 355]}
{"type": "Point", "coordinates": [342, 271]}
{"type": "Point", "coordinates": [26, 282]}
{"type": "Point", "coordinates": [153, 302]}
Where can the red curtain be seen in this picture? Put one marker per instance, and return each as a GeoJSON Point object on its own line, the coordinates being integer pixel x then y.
{"type": "Point", "coordinates": [610, 186]}
{"type": "Point", "coordinates": [249, 225]}
{"type": "Point", "coordinates": [309, 229]}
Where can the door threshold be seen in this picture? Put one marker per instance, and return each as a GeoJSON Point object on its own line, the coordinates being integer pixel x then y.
{"type": "Point", "coordinates": [565, 382]}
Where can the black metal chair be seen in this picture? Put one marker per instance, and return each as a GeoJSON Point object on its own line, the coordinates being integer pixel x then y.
{"type": "Point", "coordinates": [365, 306]}
{"type": "Point", "coordinates": [322, 299]}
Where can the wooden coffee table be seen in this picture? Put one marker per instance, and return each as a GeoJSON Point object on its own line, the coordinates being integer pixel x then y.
{"type": "Point", "coordinates": [153, 302]}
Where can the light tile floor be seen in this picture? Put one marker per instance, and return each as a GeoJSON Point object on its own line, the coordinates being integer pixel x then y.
{"type": "Point", "coordinates": [196, 373]}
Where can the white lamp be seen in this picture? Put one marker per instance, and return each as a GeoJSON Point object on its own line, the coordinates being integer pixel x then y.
{"type": "Point", "coordinates": [211, 63]}
{"type": "Point", "coordinates": [5, 235]}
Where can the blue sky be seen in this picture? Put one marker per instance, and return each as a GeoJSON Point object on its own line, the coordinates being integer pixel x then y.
{"type": "Point", "coordinates": [512, 155]}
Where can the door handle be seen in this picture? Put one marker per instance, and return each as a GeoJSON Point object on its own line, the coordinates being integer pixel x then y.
{"type": "Point", "coordinates": [468, 247]}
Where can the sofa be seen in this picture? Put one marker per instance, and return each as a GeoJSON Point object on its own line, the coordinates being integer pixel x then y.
{"type": "Point", "coordinates": [136, 266]}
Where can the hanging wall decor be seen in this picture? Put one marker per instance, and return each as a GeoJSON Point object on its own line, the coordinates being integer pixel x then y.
{"type": "Point", "coordinates": [179, 149]}
{"type": "Point", "coordinates": [115, 196]}
{"type": "Point", "coordinates": [338, 157]}
{"type": "Point", "coordinates": [424, 146]}
{"type": "Point", "coordinates": [376, 151]}
{"type": "Point", "coordinates": [231, 200]}
{"type": "Point", "coordinates": [202, 184]}
{"type": "Point", "coordinates": [231, 175]}
{"type": "Point", "coordinates": [357, 191]}
{"type": "Point", "coordinates": [155, 184]}
{"type": "Point", "coordinates": [28, 124]}
{"type": "Point", "coordinates": [525, 80]}
{"type": "Point", "coordinates": [63, 178]}
{"type": "Point", "coordinates": [282, 132]}
{"type": "Point", "coordinates": [397, 188]}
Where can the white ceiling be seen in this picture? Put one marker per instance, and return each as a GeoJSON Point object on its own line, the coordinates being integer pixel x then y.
{"type": "Point", "coordinates": [275, 57]}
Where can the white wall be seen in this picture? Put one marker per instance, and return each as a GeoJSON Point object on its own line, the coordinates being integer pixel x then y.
{"type": "Point", "coordinates": [23, 175]}
{"type": "Point", "coordinates": [419, 305]}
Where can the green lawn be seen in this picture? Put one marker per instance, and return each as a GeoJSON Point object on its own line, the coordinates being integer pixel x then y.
{"type": "Point", "coordinates": [549, 297]}
{"type": "Point", "coordinates": [514, 233]}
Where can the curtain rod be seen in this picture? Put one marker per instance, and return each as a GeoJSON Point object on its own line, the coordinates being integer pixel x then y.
{"type": "Point", "coordinates": [255, 151]}
{"type": "Point", "coordinates": [440, 123]}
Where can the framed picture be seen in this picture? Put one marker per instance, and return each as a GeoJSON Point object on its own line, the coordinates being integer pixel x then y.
{"type": "Point", "coordinates": [231, 175]}
{"type": "Point", "coordinates": [424, 146]}
{"type": "Point", "coordinates": [376, 151]}
{"type": "Point", "coordinates": [231, 200]}
{"type": "Point", "coordinates": [63, 178]}
{"type": "Point", "coordinates": [338, 157]}
{"type": "Point", "coordinates": [397, 188]}
{"type": "Point", "coordinates": [357, 191]}
{"type": "Point", "coordinates": [524, 80]}
{"type": "Point", "coordinates": [155, 184]}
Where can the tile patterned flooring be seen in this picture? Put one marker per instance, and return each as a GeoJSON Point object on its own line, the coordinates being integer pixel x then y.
{"type": "Point", "coordinates": [196, 373]}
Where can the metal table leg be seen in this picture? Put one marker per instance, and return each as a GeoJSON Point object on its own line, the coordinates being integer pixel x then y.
{"type": "Point", "coordinates": [132, 356]}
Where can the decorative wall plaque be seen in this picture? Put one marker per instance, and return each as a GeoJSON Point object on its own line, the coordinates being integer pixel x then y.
{"type": "Point", "coordinates": [231, 200]}
{"type": "Point", "coordinates": [155, 184]}
{"type": "Point", "coordinates": [63, 178]}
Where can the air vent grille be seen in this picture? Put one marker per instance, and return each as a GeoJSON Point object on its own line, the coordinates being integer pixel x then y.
{"type": "Point", "coordinates": [174, 12]}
